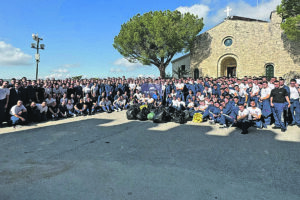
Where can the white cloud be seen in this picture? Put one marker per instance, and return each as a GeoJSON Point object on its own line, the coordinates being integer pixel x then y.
{"type": "Point", "coordinates": [62, 72]}
{"type": "Point", "coordinates": [200, 10]}
{"type": "Point", "coordinates": [244, 9]}
{"type": "Point", "coordinates": [115, 70]}
{"type": "Point", "coordinates": [58, 76]}
{"type": "Point", "coordinates": [12, 56]}
{"type": "Point", "coordinates": [123, 62]}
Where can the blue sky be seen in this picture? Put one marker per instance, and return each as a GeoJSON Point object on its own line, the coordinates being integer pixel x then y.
{"type": "Point", "coordinates": [78, 35]}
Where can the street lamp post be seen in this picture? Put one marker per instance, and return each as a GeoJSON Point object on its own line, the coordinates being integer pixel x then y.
{"type": "Point", "coordinates": [37, 46]}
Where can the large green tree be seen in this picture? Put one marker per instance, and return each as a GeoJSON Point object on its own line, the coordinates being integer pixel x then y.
{"type": "Point", "coordinates": [155, 37]}
{"type": "Point", "coordinates": [289, 10]}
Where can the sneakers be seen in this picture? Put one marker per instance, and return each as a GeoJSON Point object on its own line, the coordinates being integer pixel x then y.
{"type": "Point", "coordinates": [212, 122]}
{"type": "Point", "coordinates": [283, 130]}
{"type": "Point", "coordinates": [223, 126]}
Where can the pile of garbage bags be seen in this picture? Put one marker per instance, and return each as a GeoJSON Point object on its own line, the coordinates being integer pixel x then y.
{"type": "Point", "coordinates": [157, 115]}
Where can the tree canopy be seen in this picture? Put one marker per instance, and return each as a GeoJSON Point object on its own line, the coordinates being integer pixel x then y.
{"type": "Point", "coordinates": [155, 37]}
{"type": "Point", "coordinates": [289, 10]}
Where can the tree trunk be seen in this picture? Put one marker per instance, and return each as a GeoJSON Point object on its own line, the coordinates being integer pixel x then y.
{"type": "Point", "coordinates": [162, 72]}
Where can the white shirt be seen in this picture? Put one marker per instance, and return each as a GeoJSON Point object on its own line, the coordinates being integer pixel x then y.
{"type": "Point", "coordinates": [271, 85]}
{"type": "Point", "coordinates": [255, 111]}
{"type": "Point", "coordinates": [4, 92]}
{"type": "Point", "coordinates": [50, 101]}
{"type": "Point", "coordinates": [191, 104]}
{"type": "Point", "coordinates": [245, 112]}
{"type": "Point", "coordinates": [242, 93]}
{"type": "Point", "coordinates": [41, 108]}
{"type": "Point", "coordinates": [131, 85]}
{"type": "Point", "coordinates": [265, 92]}
{"type": "Point", "coordinates": [180, 86]}
{"type": "Point", "coordinates": [294, 94]}
{"type": "Point", "coordinates": [16, 109]}
{"type": "Point", "coordinates": [70, 106]}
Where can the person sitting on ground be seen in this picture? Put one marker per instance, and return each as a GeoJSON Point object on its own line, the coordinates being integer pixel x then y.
{"type": "Point", "coordinates": [63, 111]}
{"type": "Point", "coordinates": [117, 105]}
{"type": "Point", "coordinates": [18, 114]}
{"type": "Point", "coordinates": [255, 115]}
{"type": "Point", "coordinates": [33, 113]}
{"type": "Point", "coordinates": [242, 121]}
{"type": "Point", "coordinates": [90, 106]}
{"type": "Point", "coordinates": [43, 108]}
{"type": "Point", "coordinates": [80, 108]}
{"type": "Point", "coordinates": [108, 105]}
{"type": "Point", "coordinates": [53, 111]}
{"type": "Point", "coordinates": [70, 108]}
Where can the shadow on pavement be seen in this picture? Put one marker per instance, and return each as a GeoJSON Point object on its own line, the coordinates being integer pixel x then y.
{"type": "Point", "coordinates": [245, 163]}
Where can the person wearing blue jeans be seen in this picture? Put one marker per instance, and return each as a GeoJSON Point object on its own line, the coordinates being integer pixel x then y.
{"type": "Point", "coordinates": [295, 105]}
{"type": "Point", "coordinates": [278, 99]}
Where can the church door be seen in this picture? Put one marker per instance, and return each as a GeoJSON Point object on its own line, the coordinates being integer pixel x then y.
{"type": "Point", "coordinates": [269, 71]}
{"type": "Point", "coordinates": [231, 71]}
{"type": "Point", "coordinates": [196, 73]}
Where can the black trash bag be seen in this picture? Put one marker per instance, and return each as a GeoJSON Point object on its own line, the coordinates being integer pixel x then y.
{"type": "Point", "coordinates": [132, 112]}
{"type": "Point", "coordinates": [179, 117]}
{"type": "Point", "coordinates": [186, 115]}
{"type": "Point", "coordinates": [168, 116]}
{"type": "Point", "coordinates": [159, 117]}
{"type": "Point", "coordinates": [142, 115]}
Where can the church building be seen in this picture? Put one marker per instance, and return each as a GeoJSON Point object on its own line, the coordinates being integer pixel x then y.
{"type": "Point", "coordinates": [240, 47]}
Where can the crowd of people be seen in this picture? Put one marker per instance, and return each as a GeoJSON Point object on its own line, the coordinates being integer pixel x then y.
{"type": "Point", "coordinates": [250, 101]}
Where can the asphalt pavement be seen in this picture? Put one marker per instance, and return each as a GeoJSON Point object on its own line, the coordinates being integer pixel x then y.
{"type": "Point", "coordinates": [107, 157]}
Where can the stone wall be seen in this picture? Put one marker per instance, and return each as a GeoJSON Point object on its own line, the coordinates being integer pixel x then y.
{"type": "Point", "coordinates": [255, 44]}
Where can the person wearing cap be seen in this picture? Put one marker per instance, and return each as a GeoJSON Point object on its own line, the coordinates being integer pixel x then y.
{"type": "Point", "coordinates": [278, 97]}
{"type": "Point", "coordinates": [295, 105]}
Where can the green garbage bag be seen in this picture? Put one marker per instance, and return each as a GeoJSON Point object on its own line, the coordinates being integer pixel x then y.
{"type": "Point", "coordinates": [150, 116]}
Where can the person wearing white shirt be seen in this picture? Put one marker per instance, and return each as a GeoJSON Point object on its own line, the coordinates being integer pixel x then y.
{"type": "Point", "coordinates": [18, 113]}
{"type": "Point", "coordinates": [43, 108]}
{"type": "Point", "coordinates": [265, 103]}
{"type": "Point", "coordinates": [295, 105]}
{"type": "Point", "coordinates": [178, 104]}
{"type": "Point", "coordinates": [242, 119]}
{"type": "Point", "coordinates": [255, 114]}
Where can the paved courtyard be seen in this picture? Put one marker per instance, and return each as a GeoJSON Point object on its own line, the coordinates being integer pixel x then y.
{"type": "Point", "coordinates": [107, 157]}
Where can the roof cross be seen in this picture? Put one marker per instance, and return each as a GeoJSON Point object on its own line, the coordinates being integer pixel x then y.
{"type": "Point", "coordinates": [228, 9]}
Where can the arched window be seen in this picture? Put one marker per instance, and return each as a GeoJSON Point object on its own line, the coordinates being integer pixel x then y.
{"type": "Point", "coordinates": [269, 71]}
{"type": "Point", "coordinates": [196, 73]}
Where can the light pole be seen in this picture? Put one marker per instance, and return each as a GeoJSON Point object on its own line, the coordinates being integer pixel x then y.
{"type": "Point", "coordinates": [37, 46]}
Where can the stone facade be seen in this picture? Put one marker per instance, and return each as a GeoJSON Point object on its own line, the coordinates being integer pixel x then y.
{"type": "Point", "coordinates": [256, 46]}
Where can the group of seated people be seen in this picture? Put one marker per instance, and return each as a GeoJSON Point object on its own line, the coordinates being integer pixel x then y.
{"type": "Point", "coordinates": [226, 101]}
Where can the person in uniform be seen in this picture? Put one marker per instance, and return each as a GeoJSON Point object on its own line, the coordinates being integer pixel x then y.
{"type": "Point", "coordinates": [4, 99]}
{"type": "Point", "coordinates": [295, 105]}
{"type": "Point", "coordinates": [242, 121]}
{"type": "Point", "coordinates": [278, 98]}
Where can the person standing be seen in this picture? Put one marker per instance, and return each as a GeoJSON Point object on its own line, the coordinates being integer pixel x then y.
{"type": "Point", "coordinates": [295, 105]}
{"type": "Point", "coordinates": [278, 99]}
{"type": "Point", "coordinates": [4, 99]}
